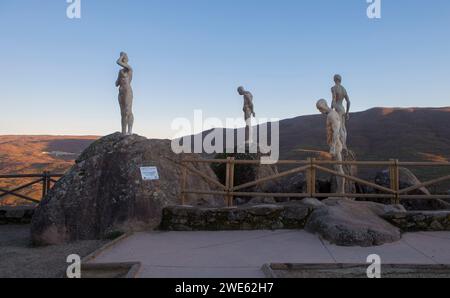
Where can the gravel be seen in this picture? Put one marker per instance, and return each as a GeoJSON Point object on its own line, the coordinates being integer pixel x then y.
{"type": "Point", "coordinates": [18, 259]}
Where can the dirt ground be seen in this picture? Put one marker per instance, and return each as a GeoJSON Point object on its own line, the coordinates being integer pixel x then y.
{"type": "Point", "coordinates": [18, 259]}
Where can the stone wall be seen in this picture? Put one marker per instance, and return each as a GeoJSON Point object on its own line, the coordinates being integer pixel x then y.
{"type": "Point", "coordinates": [270, 217]}
{"type": "Point", "coordinates": [16, 215]}
{"type": "Point", "coordinates": [415, 221]}
{"type": "Point", "coordinates": [342, 222]}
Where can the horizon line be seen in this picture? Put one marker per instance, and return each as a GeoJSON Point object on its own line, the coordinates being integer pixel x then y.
{"type": "Point", "coordinates": [285, 119]}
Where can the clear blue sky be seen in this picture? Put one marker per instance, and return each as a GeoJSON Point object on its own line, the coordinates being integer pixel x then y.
{"type": "Point", "coordinates": [58, 74]}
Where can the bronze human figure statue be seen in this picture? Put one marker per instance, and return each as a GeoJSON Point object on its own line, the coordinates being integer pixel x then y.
{"type": "Point", "coordinates": [334, 128]}
{"type": "Point", "coordinates": [339, 95]}
{"type": "Point", "coordinates": [125, 94]}
{"type": "Point", "coordinates": [248, 103]}
{"type": "Point", "coordinates": [249, 111]}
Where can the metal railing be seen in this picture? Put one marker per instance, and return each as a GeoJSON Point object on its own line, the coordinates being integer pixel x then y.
{"type": "Point", "coordinates": [45, 179]}
{"type": "Point", "coordinates": [312, 167]}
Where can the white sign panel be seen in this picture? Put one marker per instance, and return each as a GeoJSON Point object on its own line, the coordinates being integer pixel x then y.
{"type": "Point", "coordinates": [149, 173]}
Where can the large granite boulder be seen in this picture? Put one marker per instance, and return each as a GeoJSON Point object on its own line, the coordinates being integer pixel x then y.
{"type": "Point", "coordinates": [296, 183]}
{"type": "Point", "coordinates": [104, 192]}
{"type": "Point", "coordinates": [408, 179]}
{"type": "Point", "coordinates": [348, 223]}
{"type": "Point", "coordinates": [246, 173]}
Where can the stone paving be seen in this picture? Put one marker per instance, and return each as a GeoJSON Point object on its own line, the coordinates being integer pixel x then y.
{"type": "Point", "coordinates": [241, 254]}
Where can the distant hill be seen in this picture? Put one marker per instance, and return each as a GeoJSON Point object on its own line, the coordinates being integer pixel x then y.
{"type": "Point", "coordinates": [415, 134]}
{"type": "Point", "coordinates": [35, 154]}
{"type": "Point", "coordinates": [412, 134]}
{"type": "Point", "coordinates": [378, 134]}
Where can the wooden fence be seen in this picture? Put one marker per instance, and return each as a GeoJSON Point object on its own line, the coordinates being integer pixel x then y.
{"type": "Point", "coordinates": [311, 167]}
{"type": "Point", "coordinates": [229, 190]}
{"type": "Point", "coordinates": [45, 179]}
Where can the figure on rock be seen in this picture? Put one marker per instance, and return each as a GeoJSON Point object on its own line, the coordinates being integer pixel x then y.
{"type": "Point", "coordinates": [248, 112]}
{"type": "Point", "coordinates": [339, 95]}
{"type": "Point", "coordinates": [334, 128]}
{"type": "Point", "coordinates": [125, 94]}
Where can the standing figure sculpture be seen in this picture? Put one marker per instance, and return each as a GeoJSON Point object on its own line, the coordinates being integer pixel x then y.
{"type": "Point", "coordinates": [125, 94]}
{"type": "Point", "coordinates": [248, 112]}
{"type": "Point", "coordinates": [334, 127]}
{"type": "Point", "coordinates": [339, 95]}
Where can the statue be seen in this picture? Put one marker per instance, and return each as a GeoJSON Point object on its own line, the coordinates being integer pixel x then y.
{"type": "Point", "coordinates": [248, 103]}
{"type": "Point", "coordinates": [334, 128]}
{"type": "Point", "coordinates": [339, 95]}
{"type": "Point", "coordinates": [125, 94]}
{"type": "Point", "coordinates": [248, 112]}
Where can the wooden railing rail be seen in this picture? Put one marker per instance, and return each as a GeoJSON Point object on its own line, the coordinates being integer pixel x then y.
{"type": "Point", "coordinates": [45, 179]}
{"type": "Point", "coordinates": [311, 167]}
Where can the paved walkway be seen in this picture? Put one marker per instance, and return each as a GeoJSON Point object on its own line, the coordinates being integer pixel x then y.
{"type": "Point", "coordinates": [242, 253]}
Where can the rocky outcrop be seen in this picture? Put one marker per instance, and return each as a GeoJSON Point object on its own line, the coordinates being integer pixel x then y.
{"type": "Point", "coordinates": [264, 171]}
{"type": "Point", "coordinates": [291, 184]}
{"type": "Point", "coordinates": [408, 179]}
{"type": "Point", "coordinates": [246, 173]}
{"type": "Point", "coordinates": [271, 216]}
{"type": "Point", "coordinates": [104, 192]}
{"type": "Point", "coordinates": [348, 223]}
{"type": "Point", "coordinates": [415, 221]}
{"type": "Point", "coordinates": [296, 183]}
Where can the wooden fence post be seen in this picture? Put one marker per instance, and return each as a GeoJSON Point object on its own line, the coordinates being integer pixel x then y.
{"type": "Point", "coordinates": [313, 177]}
{"type": "Point", "coordinates": [309, 178]}
{"type": "Point", "coordinates": [183, 183]}
{"type": "Point", "coordinates": [397, 181]}
{"type": "Point", "coordinates": [392, 178]}
{"type": "Point", "coordinates": [227, 181]}
{"type": "Point", "coordinates": [45, 179]}
{"type": "Point", "coordinates": [232, 171]}
{"type": "Point", "coordinates": [394, 174]}
{"type": "Point", "coordinates": [49, 181]}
